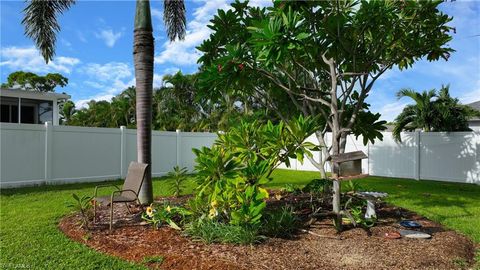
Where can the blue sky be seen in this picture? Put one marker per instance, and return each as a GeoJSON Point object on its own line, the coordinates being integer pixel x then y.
{"type": "Point", "coordinates": [94, 50]}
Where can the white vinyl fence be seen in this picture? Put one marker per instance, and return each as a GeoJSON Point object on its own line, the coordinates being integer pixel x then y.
{"type": "Point", "coordinates": [452, 157]}
{"type": "Point", "coordinates": [36, 154]}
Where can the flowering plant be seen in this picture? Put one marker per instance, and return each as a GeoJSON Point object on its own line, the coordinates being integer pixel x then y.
{"type": "Point", "coordinates": [165, 214]}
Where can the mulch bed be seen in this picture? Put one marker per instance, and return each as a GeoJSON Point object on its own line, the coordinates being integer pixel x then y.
{"type": "Point", "coordinates": [319, 247]}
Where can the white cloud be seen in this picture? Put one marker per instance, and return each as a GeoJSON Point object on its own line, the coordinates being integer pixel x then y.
{"type": "Point", "coordinates": [29, 59]}
{"type": "Point", "coordinates": [471, 96]}
{"type": "Point", "coordinates": [83, 103]}
{"type": "Point", "coordinates": [157, 14]}
{"type": "Point", "coordinates": [109, 79]}
{"type": "Point", "coordinates": [81, 37]}
{"type": "Point", "coordinates": [390, 111]}
{"type": "Point", "coordinates": [66, 42]}
{"type": "Point", "coordinates": [171, 70]}
{"type": "Point", "coordinates": [183, 52]}
{"type": "Point", "coordinates": [260, 3]}
{"type": "Point", "coordinates": [108, 72]}
{"type": "Point", "coordinates": [109, 36]}
{"type": "Point", "coordinates": [157, 80]}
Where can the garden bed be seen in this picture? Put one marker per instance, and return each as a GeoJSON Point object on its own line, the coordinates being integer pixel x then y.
{"type": "Point", "coordinates": [317, 247]}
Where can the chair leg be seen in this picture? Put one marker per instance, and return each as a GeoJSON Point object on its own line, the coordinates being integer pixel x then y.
{"type": "Point", "coordinates": [141, 205]}
{"type": "Point", "coordinates": [94, 211]}
{"type": "Point", "coordinates": [128, 208]}
{"type": "Point", "coordinates": [111, 215]}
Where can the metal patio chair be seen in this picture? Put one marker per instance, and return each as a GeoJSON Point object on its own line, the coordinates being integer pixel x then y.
{"type": "Point", "coordinates": [128, 193]}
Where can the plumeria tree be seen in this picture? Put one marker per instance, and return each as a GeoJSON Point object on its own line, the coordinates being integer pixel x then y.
{"type": "Point", "coordinates": [321, 58]}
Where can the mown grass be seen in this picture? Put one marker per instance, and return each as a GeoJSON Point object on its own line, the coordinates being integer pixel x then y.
{"type": "Point", "coordinates": [29, 237]}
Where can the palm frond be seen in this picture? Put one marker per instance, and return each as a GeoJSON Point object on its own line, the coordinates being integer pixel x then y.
{"type": "Point", "coordinates": [406, 92]}
{"type": "Point", "coordinates": [406, 120]}
{"type": "Point", "coordinates": [41, 25]}
{"type": "Point", "coordinates": [174, 19]}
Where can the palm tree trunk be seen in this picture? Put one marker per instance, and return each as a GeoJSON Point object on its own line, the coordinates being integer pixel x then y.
{"type": "Point", "coordinates": [143, 55]}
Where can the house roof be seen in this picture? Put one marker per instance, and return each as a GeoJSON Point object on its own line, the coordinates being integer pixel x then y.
{"type": "Point", "coordinates": [475, 105]}
{"type": "Point", "coordinates": [17, 93]}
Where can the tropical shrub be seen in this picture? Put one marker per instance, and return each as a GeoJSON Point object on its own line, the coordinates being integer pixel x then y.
{"type": "Point", "coordinates": [83, 205]}
{"type": "Point", "coordinates": [179, 175]}
{"type": "Point", "coordinates": [318, 186]}
{"type": "Point", "coordinates": [279, 222]}
{"type": "Point", "coordinates": [232, 172]}
{"type": "Point", "coordinates": [352, 186]}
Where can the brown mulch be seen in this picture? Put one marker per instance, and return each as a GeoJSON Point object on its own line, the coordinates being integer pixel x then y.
{"type": "Point", "coordinates": [319, 247]}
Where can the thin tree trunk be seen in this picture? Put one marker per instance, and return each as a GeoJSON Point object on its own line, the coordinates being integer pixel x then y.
{"type": "Point", "coordinates": [143, 55]}
{"type": "Point", "coordinates": [336, 183]}
{"type": "Point", "coordinates": [335, 140]}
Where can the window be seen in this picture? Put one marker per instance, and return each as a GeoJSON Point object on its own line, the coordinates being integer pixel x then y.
{"type": "Point", "coordinates": [5, 113]}
{"type": "Point", "coordinates": [28, 115]}
{"type": "Point", "coordinates": [32, 111]}
{"type": "Point", "coordinates": [9, 110]}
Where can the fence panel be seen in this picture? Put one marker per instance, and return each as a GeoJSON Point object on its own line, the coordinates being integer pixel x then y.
{"type": "Point", "coordinates": [130, 137]}
{"type": "Point", "coordinates": [190, 140]}
{"type": "Point", "coordinates": [80, 153]}
{"type": "Point", "coordinates": [389, 158]}
{"type": "Point", "coordinates": [164, 152]}
{"type": "Point", "coordinates": [450, 156]}
{"type": "Point", "coordinates": [22, 154]}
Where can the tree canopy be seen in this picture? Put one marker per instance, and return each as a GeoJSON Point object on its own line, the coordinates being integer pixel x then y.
{"type": "Point", "coordinates": [33, 82]}
{"type": "Point", "coordinates": [176, 105]}
{"type": "Point", "coordinates": [320, 57]}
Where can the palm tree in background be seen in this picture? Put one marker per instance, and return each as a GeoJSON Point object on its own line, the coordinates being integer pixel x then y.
{"type": "Point", "coordinates": [41, 25]}
{"type": "Point", "coordinates": [432, 112]}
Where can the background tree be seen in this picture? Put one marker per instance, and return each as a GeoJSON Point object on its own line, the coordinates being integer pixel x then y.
{"type": "Point", "coordinates": [432, 112]}
{"type": "Point", "coordinates": [176, 105]}
{"type": "Point", "coordinates": [33, 82]}
{"type": "Point", "coordinates": [321, 58]}
{"type": "Point", "coordinates": [67, 110]}
{"type": "Point", "coordinates": [41, 25]}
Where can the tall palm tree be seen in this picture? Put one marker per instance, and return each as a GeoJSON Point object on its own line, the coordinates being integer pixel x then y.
{"type": "Point", "coordinates": [40, 21]}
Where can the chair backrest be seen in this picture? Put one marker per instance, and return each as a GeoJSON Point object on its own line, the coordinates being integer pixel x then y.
{"type": "Point", "coordinates": [136, 173]}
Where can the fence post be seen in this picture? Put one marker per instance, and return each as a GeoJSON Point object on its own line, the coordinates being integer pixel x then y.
{"type": "Point", "coordinates": [178, 140]}
{"type": "Point", "coordinates": [417, 155]}
{"type": "Point", "coordinates": [48, 151]}
{"type": "Point", "coordinates": [123, 146]}
{"type": "Point", "coordinates": [368, 157]}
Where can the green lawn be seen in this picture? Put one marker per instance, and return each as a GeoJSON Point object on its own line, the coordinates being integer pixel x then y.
{"type": "Point", "coordinates": [29, 237]}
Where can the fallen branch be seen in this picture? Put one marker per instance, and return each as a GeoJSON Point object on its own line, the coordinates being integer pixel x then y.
{"type": "Point", "coordinates": [319, 235]}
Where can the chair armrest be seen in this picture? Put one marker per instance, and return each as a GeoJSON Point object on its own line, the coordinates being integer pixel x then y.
{"type": "Point", "coordinates": [103, 186]}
